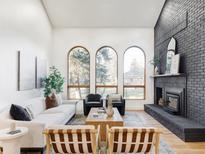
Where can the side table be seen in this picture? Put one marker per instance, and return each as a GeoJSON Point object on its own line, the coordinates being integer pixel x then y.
{"type": "Point", "coordinates": [11, 143]}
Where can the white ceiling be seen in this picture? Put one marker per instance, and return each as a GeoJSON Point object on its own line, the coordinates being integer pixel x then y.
{"type": "Point", "coordinates": [103, 13]}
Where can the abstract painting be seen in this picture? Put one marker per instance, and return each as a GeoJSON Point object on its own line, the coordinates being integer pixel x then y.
{"type": "Point", "coordinates": [26, 71]}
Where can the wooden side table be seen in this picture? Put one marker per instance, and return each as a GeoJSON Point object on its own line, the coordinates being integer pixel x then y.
{"type": "Point", "coordinates": [11, 143]}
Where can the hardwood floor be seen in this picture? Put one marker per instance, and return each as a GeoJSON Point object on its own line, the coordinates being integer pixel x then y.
{"type": "Point", "coordinates": [179, 146]}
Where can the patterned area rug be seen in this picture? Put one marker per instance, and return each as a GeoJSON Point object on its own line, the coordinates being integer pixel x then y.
{"type": "Point", "coordinates": [130, 119]}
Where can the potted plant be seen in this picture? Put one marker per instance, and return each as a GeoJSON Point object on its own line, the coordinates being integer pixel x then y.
{"type": "Point", "coordinates": [156, 63]}
{"type": "Point", "coordinates": [53, 84]}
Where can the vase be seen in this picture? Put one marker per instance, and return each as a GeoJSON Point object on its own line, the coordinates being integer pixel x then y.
{"type": "Point", "coordinates": [110, 110]}
{"type": "Point", "coordinates": [156, 70]}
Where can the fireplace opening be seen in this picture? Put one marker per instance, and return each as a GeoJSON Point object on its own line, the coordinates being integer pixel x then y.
{"type": "Point", "coordinates": [172, 100]}
{"type": "Point", "coordinates": [172, 103]}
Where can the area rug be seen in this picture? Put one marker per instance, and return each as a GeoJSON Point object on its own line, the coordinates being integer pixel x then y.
{"type": "Point", "coordinates": [130, 119]}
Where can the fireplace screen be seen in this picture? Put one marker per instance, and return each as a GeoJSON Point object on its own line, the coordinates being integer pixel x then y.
{"type": "Point", "coordinates": [173, 102]}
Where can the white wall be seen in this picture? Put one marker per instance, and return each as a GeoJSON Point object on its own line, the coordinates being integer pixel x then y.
{"type": "Point", "coordinates": [23, 26]}
{"type": "Point", "coordinates": [93, 39]}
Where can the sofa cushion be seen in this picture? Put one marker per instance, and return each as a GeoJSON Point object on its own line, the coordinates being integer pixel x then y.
{"type": "Point", "coordinates": [93, 102]}
{"type": "Point", "coordinates": [50, 119]}
{"type": "Point", "coordinates": [67, 109]}
{"type": "Point", "coordinates": [19, 113]}
{"type": "Point", "coordinates": [36, 105]}
{"type": "Point", "coordinates": [5, 114]}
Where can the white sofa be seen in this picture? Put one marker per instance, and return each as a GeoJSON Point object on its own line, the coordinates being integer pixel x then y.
{"type": "Point", "coordinates": [42, 118]}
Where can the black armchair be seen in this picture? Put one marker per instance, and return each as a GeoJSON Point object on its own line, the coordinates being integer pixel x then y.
{"type": "Point", "coordinates": [119, 104]}
{"type": "Point", "coordinates": [92, 100]}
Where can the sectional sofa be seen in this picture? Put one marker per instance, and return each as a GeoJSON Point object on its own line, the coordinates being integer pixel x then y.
{"type": "Point", "coordinates": [34, 140]}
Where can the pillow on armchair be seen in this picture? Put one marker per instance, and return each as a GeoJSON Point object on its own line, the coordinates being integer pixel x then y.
{"type": "Point", "coordinates": [115, 97]}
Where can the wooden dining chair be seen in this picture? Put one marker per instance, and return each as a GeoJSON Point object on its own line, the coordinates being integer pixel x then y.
{"type": "Point", "coordinates": [132, 139]}
{"type": "Point", "coordinates": [72, 139]}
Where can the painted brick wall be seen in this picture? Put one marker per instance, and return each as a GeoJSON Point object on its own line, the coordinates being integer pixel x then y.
{"type": "Point", "coordinates": [185, 20]}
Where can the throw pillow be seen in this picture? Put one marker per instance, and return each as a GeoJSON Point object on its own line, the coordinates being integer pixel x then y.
{"type": "Point", "coordinates": [29, 109]}
{"type": "Point", "coordinates": [115, 97]}
{"type": "Point", "coordinates": [59, 99]}
{"type": "Point", "coordinates": [19, 113]}
{"type": "Point", "coordinates": [51, 102]}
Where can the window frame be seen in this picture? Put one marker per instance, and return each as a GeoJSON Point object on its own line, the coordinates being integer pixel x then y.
{"type": "Point", "coordinates": [135, 86]}
{"type": "Point", "coordinates": [68, 74]}
{"type": "Point", "coordinates": [105, 86]}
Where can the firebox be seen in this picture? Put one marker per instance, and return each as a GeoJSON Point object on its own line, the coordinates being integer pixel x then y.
{"type": "Point", "coordinates": [172, 103]}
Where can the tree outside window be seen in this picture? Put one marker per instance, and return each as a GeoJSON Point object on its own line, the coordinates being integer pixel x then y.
{"type": "Point", "coordinates": [78, 73]}
{"type": "Point", "coordinates": [106, 71]}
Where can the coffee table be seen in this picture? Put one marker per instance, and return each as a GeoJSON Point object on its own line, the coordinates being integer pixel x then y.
{"type": "Point", "coordinates": [103, 121]}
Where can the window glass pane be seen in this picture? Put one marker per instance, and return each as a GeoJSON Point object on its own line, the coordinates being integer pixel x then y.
{"type": "Point", "coordinates": [106, 66]}
{"type": "Point", "coordinates": [134, 62]}
{"type": "Point", "coordinates": [105, 91]}
{"type": "Point", "coordinates": [79, 66]}
{"type": "Point", "coordinates": [134, 93]}
{"type": "Point", "coordinates": [78, 72]}
{"type": "Point", "coordinates": [78, 93]}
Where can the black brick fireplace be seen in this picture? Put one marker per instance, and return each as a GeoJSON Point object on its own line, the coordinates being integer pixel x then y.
{"type": "Point", "coordinates": [185, 21]}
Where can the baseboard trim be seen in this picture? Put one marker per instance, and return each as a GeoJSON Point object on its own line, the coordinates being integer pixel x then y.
{"type": "Point", "coordinates": [40, 150]}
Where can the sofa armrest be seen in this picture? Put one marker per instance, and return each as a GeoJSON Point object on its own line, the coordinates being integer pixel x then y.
{"type": "Point", "coordinates": [74, 102]}
{"type": "Point", "coordinates": [34, 137]}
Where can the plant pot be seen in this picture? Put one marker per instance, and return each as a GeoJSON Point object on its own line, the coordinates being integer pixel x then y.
{"type": "Point", "coordinates": [51, 101]}
{"type": "Point", "coordinates": [156, 70]}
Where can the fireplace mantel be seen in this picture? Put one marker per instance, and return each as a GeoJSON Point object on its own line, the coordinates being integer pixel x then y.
{"type": "Point", "coordinates": [169, 75]}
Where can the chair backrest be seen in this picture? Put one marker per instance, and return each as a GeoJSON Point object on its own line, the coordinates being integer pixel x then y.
{"type": "Point", "coordinates": [115, 97]}
{"type": "Point", "coordinates": [132, 140]}
{"type": "Point", "coordinates": [93, 97]}
{"type": "Point", "coordinates": [77, 139]}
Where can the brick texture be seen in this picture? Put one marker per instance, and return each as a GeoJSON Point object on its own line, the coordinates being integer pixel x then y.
{"type": "Point", "coordinates": [185, 21]}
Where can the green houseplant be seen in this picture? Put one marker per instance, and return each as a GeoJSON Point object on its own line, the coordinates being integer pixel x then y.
{"type": "Point", "coordinates": [156, 63]}
{"type": "Point", "coordinates": [53, 84]}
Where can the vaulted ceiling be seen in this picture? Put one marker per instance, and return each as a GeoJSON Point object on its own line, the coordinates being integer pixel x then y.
{"type": "Point", "coordinates": [103, 13]}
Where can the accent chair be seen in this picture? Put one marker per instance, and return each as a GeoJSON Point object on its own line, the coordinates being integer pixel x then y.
{"type": "Point", "coordinates": [92, 100]}
{"type": "Point", "coordinates": [72, 139]}
{"type": "Point", "coordinates": [132, 139]}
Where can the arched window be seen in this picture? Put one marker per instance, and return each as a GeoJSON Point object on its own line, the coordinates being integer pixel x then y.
{"type": "Point", "coordinates": [106, 71]}
{"type": "Point", "coordinates": [134, 73]}
{"type": "Point", "coordinates": [78, 73]}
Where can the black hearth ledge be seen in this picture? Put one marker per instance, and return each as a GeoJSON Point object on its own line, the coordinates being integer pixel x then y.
{"type": "Point", "coordinates": [186, 129]}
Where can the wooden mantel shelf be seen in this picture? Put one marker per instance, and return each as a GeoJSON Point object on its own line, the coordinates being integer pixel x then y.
{"type": "Point", "coordinates": [169, 75]}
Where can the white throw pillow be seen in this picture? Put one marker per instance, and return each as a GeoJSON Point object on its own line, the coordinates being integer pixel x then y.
{"type": "Point", "coordinates": [59, 99]}
{"type": "Point", "coordinates": [29, 109]}
{"type": "Point", "coordinates": [115, 97]}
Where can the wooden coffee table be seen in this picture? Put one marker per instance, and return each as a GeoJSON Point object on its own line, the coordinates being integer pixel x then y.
{"type": "Point", "coordinates": [103, 121]}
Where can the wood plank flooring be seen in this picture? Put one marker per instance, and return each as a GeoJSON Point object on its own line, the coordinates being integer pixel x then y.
{"type": "Point", "coordinates": [179, 146]}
